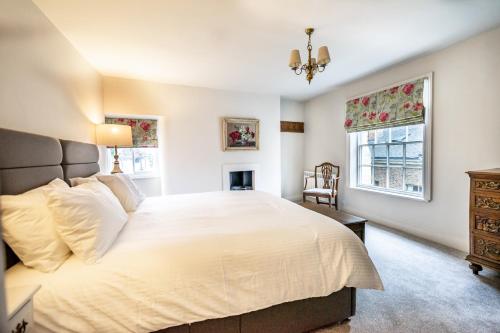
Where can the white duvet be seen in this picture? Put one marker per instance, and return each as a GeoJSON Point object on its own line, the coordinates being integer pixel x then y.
{"type": "Point", "coordinates": [187, 258]}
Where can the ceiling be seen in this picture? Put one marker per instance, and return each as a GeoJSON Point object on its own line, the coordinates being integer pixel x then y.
{"type": "Point", "coordinates": [244, 45]}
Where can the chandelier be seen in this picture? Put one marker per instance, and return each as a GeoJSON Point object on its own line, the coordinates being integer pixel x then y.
{"type": "Point", "coordinates": [312, 66]}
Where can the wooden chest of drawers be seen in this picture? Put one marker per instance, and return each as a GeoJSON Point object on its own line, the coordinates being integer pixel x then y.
{"type": "Point", "coordinates": [484, 220]}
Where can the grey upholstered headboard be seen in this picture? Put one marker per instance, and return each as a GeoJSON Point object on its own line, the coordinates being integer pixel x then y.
{"type": "Point", "coordinates": [28, 161]}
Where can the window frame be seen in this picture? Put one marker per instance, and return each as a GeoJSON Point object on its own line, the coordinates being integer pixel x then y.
{"type": "Point", "coordinates": [352, 158]}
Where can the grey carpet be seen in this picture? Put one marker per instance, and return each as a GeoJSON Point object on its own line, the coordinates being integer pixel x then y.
{"type": "Point", "coordinates": [428, 288]}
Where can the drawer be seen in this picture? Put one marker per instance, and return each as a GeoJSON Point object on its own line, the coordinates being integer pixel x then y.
{"type": "Point", "coordinates": [486, 185]}
{"type": "Point", "coordinates": [486, 248]}
{"type": "Point", "coordinates": [489, 224]}
{"type": "Point", "coordinates": [23, 318]}
{"type": "Point", "coordinates": [486, 201]}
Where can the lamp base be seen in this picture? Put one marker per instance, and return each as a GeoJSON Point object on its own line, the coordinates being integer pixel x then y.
{"type": "Point", "coordinates": [116, 167]}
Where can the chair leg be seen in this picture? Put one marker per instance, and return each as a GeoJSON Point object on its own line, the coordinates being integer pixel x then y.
{"type": "Point", "coordinates": [330, 202]}
{"type": "Point", "coordinates": [303, 198]}
{"type": "Point", "coordinates": [317, 200]}
{"type": "Point", "coordinates": [336, 202]}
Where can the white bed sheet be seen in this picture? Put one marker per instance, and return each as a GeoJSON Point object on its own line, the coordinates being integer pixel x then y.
{"type": "Point", "coordinates": [187, 258]}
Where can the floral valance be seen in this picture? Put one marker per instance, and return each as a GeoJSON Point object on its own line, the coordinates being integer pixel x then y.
{"type": "Point", "coordinates": [397, 106]}
{"type": "Point", "coordinates": [144, 131]}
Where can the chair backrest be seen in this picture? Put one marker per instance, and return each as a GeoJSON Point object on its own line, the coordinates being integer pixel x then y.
{"type": "Point", "coordinates": [329, 173]}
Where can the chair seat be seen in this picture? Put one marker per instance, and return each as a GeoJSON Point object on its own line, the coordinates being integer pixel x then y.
{"type": "Point", "coordinates": [319, 191]}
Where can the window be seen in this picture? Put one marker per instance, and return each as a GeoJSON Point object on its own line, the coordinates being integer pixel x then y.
{"type": "Point", "coordinates": [140, 162]}
{"type": "Point", "coordinates": [393, 160]}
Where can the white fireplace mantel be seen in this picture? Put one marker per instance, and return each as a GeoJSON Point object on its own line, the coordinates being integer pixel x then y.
{"type": "Point", "coordinates": [227, 168]}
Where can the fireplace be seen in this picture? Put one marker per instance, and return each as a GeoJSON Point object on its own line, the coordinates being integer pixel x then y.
{"type": "Point", "coordinates": [240, 177]}
{"type": "Point", "coordinates": [241, 180]}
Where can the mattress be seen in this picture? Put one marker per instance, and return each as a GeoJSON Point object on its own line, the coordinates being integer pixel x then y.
{"type": "Point", "coordinates": [186, 258]}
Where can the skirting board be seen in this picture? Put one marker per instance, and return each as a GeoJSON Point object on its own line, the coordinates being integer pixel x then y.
{"type": "Point", "coordinates": [413, 232]}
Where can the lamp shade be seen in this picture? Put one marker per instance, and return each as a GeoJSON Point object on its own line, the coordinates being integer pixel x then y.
{"type": "Point", "coordinates": [114, 135]}
{"type": "Point", "coordinates": [295, 61]}
{"type": "Point", "coordinates": [323, 56]}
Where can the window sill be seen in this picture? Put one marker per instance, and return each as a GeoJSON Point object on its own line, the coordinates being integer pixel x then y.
{"type": "Point", "coordinates": [145, 176]}
{"type": "Point", "coordinates": [392, 194]}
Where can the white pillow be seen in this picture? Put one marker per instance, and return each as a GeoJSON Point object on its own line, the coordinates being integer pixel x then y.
{"type": "Point", "coordinates": [81, 180]}
{"type": "Point", "coordinates": [88, 218]}
{"type": "Point", "coordinates": [121, 190]}
{"type": "Point", "coordinates": [139, 195]}
{"type": "Point", "coordinates": [29, 229]}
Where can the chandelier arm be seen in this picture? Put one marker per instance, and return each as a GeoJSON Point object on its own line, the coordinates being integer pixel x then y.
{"type": "Point", "coordinates": [298, 71]}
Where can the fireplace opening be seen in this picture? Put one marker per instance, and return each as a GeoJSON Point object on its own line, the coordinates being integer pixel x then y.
{"type": "Point", "coordinates": [241, 180]}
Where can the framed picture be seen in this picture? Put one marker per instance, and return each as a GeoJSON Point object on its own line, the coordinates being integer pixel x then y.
{"type": "Point", "coordinates": [240, 134]}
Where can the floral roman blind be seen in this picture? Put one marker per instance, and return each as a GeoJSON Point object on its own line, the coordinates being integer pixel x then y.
{"type": "Point", "coordinates": [397, 106]}
{"type": "Point", "coordinates": [144, 131]}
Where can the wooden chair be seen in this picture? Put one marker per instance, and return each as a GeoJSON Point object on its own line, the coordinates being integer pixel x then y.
{"type": "Point", "coordinates": [330, 174]}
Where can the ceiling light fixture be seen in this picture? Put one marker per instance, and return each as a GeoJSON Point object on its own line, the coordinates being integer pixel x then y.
{"type": "Point", "coordinates": [312, 66]}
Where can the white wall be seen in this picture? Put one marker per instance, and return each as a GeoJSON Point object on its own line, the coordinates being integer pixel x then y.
{"type": "Point", "coordinates": [45, 85]}
{"type": "Point", "coordinates": [151, 187]}
{"type": "Point", "coordinates": [292, 152]}
{"type": "Point", "coordinates": [466, 136]}
{"type": "Point", "coordinates": [190, 143]}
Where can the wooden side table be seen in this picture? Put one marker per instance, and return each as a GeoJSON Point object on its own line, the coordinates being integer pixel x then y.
{"type": "Point", "coordinates": [355, 223]}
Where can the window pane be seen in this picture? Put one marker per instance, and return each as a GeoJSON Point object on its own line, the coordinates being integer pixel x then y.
{"type": "Point", "coordinates": [379, 176]}
{"type": "Point", "coordinates": [392, 159]}
{"type": "Point", "coordinates": [382, 135]}
{"type": "Point", "coordinates": [366, 155]}
{"type": "Point", "coordinates": [415, 132]}
{"type": "Point", "coordinates": [414, 178]}
{"type": "Point", "coordinates": [380, 155]}
{"type": "Point", "coordinates": [414, 154]}
{"type": "Point", "coordinates": [371, 136]}
{"type": "Point", "coordinates": [362, 138]}
{"type": "Point", "coordinates": [135, 160]}
{"type": "Point", "coordinates": [396, 178]}
{"type": "Point", "coordinates": [398, 134]}
{"type": "Point", "coordinates": [144, 160]}
{"type": "Point", "coordinates": [365, 176]}
{"type": "Point", "coordinates": [125, 157]}
{"type": "Point", "coordinates": [396, 154]}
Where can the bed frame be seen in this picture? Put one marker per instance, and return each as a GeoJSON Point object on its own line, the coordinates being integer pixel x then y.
{"type": "Point", "coordinates": [28, 161]}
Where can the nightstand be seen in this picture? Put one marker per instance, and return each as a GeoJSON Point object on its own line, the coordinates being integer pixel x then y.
{"type": "Point", "coordinates": [20, 308]}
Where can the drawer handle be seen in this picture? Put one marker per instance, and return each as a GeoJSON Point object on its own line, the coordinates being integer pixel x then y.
{"type": "Point", "coordinates": [20, 327]}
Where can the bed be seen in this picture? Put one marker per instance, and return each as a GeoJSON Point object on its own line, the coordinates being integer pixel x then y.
{"type": "Point", "coordinates": [231, 262]}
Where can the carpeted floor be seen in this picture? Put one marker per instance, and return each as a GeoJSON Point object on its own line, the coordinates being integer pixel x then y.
{"type": "Point", "coordinates": [428, 288]}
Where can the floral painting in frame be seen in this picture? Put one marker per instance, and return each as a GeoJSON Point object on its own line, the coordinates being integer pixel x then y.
{"type": "Point", "coordinates": [240, 134]}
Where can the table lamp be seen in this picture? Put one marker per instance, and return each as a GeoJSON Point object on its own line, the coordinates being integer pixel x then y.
{"type": "Point", "coordinates": [114, 135]}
